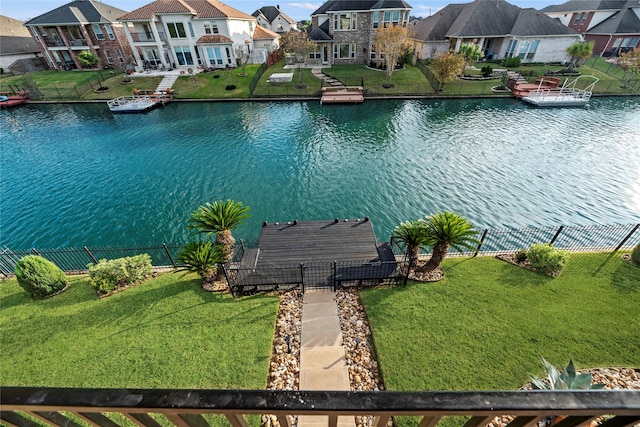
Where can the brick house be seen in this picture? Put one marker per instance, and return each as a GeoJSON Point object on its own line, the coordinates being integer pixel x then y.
{"type": "Point", "coordinates": [81, 25]}
{"type": "Point", "coordinates": [344, 29]}
{"type": "Point", "coordinates": [613, 25]}
{"type": "Point", "coordinates": [194, 33]}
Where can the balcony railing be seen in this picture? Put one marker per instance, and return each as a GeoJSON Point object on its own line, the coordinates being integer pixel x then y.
{"type": "Point", "coordinates": [55, 406]}
{"type": "Point", "coordinates": [147, 37]}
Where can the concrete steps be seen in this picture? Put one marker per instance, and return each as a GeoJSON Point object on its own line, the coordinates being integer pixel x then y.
{"type": "Point", "coordinates": [167, 82]}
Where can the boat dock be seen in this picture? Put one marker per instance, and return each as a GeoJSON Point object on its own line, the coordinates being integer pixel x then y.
{"type": "Point", "coordinates": [342, 95]}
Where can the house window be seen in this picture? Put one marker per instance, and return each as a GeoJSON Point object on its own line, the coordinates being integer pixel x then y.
{"type": "Point", "coordinates": [191, 30]}
{"type": "Point", "coordinates": [211, 28]}
{"type": "Point", "coordinates": [228, 55]}
{"type": "Point", "coordinates": [634, 42]}
{"type": "Point", "coordinates": [183, 53]}
{"type": "Point", "coordinates": [576, 18]}
{"type": "Point", "coordinates": [107, 54]}
{"type": "Point", "coordinates": [616, 43]}
{"type": "Point", "coordinates": [344, 51]}
{"type": "Point", "coordinates": [176, 30]}
{"type": "Point", "coordinates": [376, 19]}
{"type": "Point", "coordinates": [315, 55]}
{"type": "Point", "coordinates": [120, 56]}
{"type": "Point", "coordinates": [372, 53]}
{"type": "Point", "coordinates": [107, 27]}
{"type": "Point", "coordinates": [344, 21]}
{"type": "Point", "coordinates": [215, 56]}
{"type": "Point", "coordinates": [511, 48]}
{"type": "Point", "coordinates": [585, 15]}
{"type": "Point", "coordinates": [98, 31]}
{"type": "Point", "coordinates": [389, 18]}
{"type": "Point", "coordinates": [77, 34]}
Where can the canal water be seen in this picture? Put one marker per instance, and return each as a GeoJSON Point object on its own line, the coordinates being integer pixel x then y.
{"type": "Point", "coordinates": [74, 175]}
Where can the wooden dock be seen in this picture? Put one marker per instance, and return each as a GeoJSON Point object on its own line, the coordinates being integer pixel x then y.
{"type": "Point", "coordinates": [317, 241]}
{"type": "Point", "coordinates": [342, 95]}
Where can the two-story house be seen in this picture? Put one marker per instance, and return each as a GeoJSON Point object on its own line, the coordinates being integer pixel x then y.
{"type": "Point", "coordinates": [344, 29]}
{"type": "Point", "coordinates": [502, 30]}
{"type": "Point", "coordinates": [81, 25]}
{"type": "Point", "coordinates": [272, 18]}
{"type": "Point", "coordinates": [613, 25]}
{"type": "Point", "coordinates": [18, 51]}
{"type": "Point", "coordinates": [194, 33]}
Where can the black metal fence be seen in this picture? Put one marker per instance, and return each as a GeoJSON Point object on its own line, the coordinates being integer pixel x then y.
{"type": "Point", "coordinates": [305, 276]}
{"type": "Point", "coordinates": [75, 260]}
{"type": "Point", "coordinates": [593, 238]}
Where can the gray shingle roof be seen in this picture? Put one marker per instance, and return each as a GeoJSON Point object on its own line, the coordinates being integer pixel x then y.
{"type": "Point", "coordinates": [78, 12]}
{"type": "Point", "coordinates": [346, 5]}
{"type": "Point", "coordinates": [623, 22]}
{"type": "Point", "coordinates": [487, 18]}
{"type": "Point", "coordinates": [585, 5]}
{"type": "Point", "coordinates": [321, 34]}
{"type": "Point", "coordinates": [270, 13]}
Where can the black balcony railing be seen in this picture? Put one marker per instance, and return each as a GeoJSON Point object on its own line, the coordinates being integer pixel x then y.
{"type": "Point", "coordinates": [59, 407]}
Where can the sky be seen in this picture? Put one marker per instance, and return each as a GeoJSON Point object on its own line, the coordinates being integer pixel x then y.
{"type": "Point", "coordinates": [299, 10]}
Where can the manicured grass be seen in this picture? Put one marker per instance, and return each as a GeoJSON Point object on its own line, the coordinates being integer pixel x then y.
{"type": "Point", "coordinates": [208, 86]}
{"type": "Point", "coordinates": [165, 333]}
{"type": "Point", "coordinates": [484, 326]}
{"type": "Point", "coordinates": [311, 85]}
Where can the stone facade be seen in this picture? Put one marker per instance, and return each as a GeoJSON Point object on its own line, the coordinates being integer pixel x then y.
{"type": "Point", "coordinates": [361, 37]}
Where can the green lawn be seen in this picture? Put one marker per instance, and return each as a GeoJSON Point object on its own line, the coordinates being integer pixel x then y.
{"type": "Point", "coordinates": [165, 333]}
{"type": "Point", "coordinates": [213, 85]}
{"type": "Point", "coordinates": [484, 326]}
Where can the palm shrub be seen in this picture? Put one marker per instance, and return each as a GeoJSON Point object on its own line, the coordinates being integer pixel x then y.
{"type": "Point", "coordinates": [202, 257]}
{"type": "Point", "coordinates": [446, 230]}
{"type": "Point", "coordinates": [40, 277]}
{"type": "Point", "coordinates": [635, 254]}
{"type": "Point", "coordinates": [546, 258]}
{"type": "Point", "coordinates": [565, 380]}
{"type": "Point", "coordinates": [219, 218]}
{"type": "Point", "coordinates": [521, 255]}
{"type": "Point", "coordinates": [413, 235]}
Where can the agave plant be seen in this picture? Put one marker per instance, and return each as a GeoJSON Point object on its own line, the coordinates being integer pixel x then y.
{"type": "Point", "coordinates": [565, 380]}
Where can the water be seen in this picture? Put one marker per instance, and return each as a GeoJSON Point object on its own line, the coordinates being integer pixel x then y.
{"type": "Point", "coordinates": [74, 175]}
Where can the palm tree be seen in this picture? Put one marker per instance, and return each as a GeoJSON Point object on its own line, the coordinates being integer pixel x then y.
{"type": "Point", "coordinates": [579, 51]}
{"type": "Point", "coordinates": [445, 230]}
{"type": "Point", "coordinates": [202, 257]}
{"type": "Point", "coordinates": [219, 218]}
{"type": "Point", "coordinates": [413, 235]}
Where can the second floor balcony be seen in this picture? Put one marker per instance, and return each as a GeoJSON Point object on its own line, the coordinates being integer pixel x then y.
{"type": "Point", "coordinates": [148, 37]}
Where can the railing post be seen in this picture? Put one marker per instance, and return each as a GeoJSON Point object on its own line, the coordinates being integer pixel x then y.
{"type": "Point", "coordinates": [335, 282]}
{"type": "Point", "coordinates": [302, 276]}
{"type": "Point", "coordinates": [86, 249]}
{"type": "Point", "coordinates": [484, 234]}
{"type": "Point", "coordinates": [35, 251]}
{"type": "Point", "coordinates": [628, 236]}
{"type": "Point", "coordinates": [166, 250]}
{"type": "Point", "coordinates": [556, 235]}
{"type": "Point", "coordinates": [226, 276]}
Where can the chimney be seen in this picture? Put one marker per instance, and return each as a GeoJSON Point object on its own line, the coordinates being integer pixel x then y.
{"type": "Point", "coordinates": [278, 6]}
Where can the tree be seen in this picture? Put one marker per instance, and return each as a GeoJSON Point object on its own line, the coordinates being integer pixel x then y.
{"type": "Point", "coordinates": [393, 42]}
{"type": "Point", "coordinates": [202, 257]}
{"type": "Point", "coordinates": [579, 51]}
{"type": "Point", "coordinates": [446, 230]}
{"type": "Point", "coordinates": [299, 44]}
{"type": "Point", "coordinates": [471, 53]}
{"type": "Point", "coordinates": [88, 58]}
{"type": "Point", "coordinates": [630, 63]}
{"type": "Point", "coordinates": [446, 66]}
{"type": "Point", "coordinates": [219, 218]}
{"type": "Point", "coordinates": [413, 235]}
{"type": "Point", "coordinates": [242, 57]}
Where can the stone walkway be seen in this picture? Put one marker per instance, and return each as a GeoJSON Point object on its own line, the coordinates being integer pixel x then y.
{"type": "Point", "coordinates": [317, 72]}
{"type": "Point", "coordinates": [323, 365]}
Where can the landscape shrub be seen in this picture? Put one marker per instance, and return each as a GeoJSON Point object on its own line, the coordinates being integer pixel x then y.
{"type": "Point", "coordinates": [521, 255]}
{"type": "Point", "coordinates": [487, 71]}
{"type": "Point", "coordinates": [546, 258]}
{"type": "Point", "coordinates": [513, 61]}
{"type": "Point", "coordinates": [40, 277]}
{"type": "Point", "coordinates": [635, 254]}
{"type": "Point", "coordinates": [111, 275]}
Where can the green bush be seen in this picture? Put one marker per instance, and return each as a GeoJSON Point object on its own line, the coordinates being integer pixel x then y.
{"type": "Point", "coordinates": [39, 277]}
{"type": "Point", "coordinates": [511, 62]}
{"type": "Point", "coordinates": [521, 255]}
{"type": "Point", "coordinates": [635, 254]}
{"type": "Point", "coordinates": [546, 258]}
{"type": "Point", "coordinates": [110, 275]}
{"type": "Point", "coordinates": [487, 71]}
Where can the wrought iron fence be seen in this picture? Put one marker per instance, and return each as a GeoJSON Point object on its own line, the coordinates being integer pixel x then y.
{"type": "Point", "coordinates": [593, 238]}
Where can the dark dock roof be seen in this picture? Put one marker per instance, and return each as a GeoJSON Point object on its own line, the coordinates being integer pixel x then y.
{"type": "Point", "coordinates": [317, 241]}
